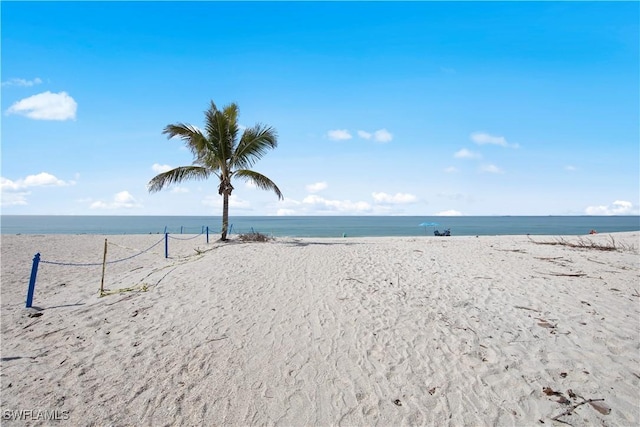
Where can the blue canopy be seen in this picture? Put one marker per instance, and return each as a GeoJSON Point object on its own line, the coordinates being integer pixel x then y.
{"type": "Point", "coordinates": [429, 224]}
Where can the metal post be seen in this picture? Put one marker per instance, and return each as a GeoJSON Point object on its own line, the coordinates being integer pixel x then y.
{"type": "Point", "coordinates": [32, 280]}
{"type": "Point", "coordinates": [207, 234]}
{"type": "Point", "coordinates": [166, 245]}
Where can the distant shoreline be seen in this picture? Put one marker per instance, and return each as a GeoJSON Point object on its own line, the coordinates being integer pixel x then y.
{"type": "Point", "coordinates": [318, 226]}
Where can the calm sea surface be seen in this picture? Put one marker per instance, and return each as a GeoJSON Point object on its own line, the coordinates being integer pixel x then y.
{"type": "Point", "coordinates": [319, 226]}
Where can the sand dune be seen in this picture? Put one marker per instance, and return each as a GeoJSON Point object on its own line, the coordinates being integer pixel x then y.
{"type": "Point", "coordinates": [458, 331]}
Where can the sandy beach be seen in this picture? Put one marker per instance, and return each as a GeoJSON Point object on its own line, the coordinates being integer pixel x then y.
{"type": "Point", "coordinates": [436, 331]}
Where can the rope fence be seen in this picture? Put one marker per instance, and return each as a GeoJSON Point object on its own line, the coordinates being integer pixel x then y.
{"type": "Point", "coordinates": [186, 238]}
{"type": "Point", "coordinates": [191, 229]}
{"type": "Point", "coordinates": [37, 261]}
{"type": "Point", "coordinates": [95, 264]}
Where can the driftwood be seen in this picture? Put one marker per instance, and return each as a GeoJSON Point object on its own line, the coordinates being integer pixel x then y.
{"type": "Point", "coordinates": [603, 409]}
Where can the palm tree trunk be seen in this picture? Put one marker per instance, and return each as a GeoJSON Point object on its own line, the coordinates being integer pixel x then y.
{"type": "Point", "coordinates": [225, 216]}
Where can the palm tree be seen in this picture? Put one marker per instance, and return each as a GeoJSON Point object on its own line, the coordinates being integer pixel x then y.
{"type": "Point", "coordinates": [218, 151]}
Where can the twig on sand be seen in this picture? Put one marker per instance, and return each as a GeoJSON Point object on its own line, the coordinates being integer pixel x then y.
{"type": "Point", "coordinates": [602, 408]}
{"type": "Point", "coordinates": [203, 251]}
{"type": "Point", "coordinates": [351, 278]}
{"type": "Point", "coordinates": [574, 407]}
{"type": "Point", "coordinates": [223, 337]}
{"type": "Point", "coordinates": [162, 278]}
{"type": "Point", "coordinates": [31, 324]}
{"type": "Point", "coordinates": [526, 308]}
{"type": "Point", "coordinates": [568, 274]}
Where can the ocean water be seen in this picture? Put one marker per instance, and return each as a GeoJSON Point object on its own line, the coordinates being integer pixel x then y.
{"type": "Point", "coordinates": [319, 226]}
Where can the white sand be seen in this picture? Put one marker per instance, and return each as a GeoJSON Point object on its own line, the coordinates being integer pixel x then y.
{"type": "Point", "coordinates": [459, 331]}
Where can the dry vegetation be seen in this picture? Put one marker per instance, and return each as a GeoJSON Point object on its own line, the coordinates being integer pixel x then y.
{"type": "Point", "coordinates": [584, 243]}
{"type": "Point", "coordinates": [254, 237]}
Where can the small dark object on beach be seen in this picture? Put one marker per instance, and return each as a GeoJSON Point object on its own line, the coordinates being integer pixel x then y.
{"type": "Point", "coordinates": [397, 402]}
{"type": "Point", "coordinates": [550, 392]}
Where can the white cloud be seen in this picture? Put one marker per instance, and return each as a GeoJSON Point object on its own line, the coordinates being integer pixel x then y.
{"type": "Point", "coordinates": [8, 185]}
{"type": "Point", "coordinates": [490, 169]}
{"type": "Point", "coordinates": [364, 135]}
{"type": "Point", "coordinates": [619, 207]}
{"type": "Point", "coordinates": [450, 212]}
{"type": "Point", "coordinates": [451, 169]}
{"type": "Point", "coordinates": [570, 168]}
{"type": "Point", "coordinates": [99, 205]}
{"type": "Point", "coordinates": [40, 180]}
{"type": "Point", "coordinates": [22, 82]}
{"type": "Point", "coordinates": [288, 206]}
{"type": "Point", "coordinates": [234, 202]}
{"type": "Point", "coordinates": [13, 193]}
{"type": "Point", "coordinates": [318, 186]}
{"type": "Point", "coordinates": [250, 185]}
{"type": "Point", "coordinates": [382, 135]}
{"type": "Point", "coordinates": [285, 212]}
{"type": "Point", "coordinates": [482, 138]}
{"type": "Point", "coordinates": [339, 135]}
{"type": "Point", "coordinates": [46, 106]}
{"type": "Point", "coordinates": [466, 154]}
{"type": "Point", "coordinates": [121, 200]}
{"type": "Point", "coordinates": [336, 205]}
{"type": "Point", "coordinates": [158, 168]}
{"type": "Point", "coordinates": [14, 199]}
{"type": "Point", "coordinates": [398, 198]}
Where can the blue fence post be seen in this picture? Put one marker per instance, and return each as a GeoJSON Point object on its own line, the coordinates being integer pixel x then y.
{"type": "Point", "coordinates": [165, 229]}
{"type": "Point", "coordinates": [166, 245]}
{"type": "Point", "coordinates": [32, 280]}
{"type": "Point", "coordinates": [207, 234]}
{"type": "Point", "coordinates": [231, 229]}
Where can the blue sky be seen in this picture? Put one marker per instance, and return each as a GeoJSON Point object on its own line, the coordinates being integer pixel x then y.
{"type": "Point", "coordinates": [382, 108]}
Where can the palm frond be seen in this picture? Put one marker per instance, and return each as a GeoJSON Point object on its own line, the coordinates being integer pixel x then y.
{"type": "Point", "coordinates": [231, 112]}
{"type": "Point", "coordinates": [176, 175]}
{"type": "Point", "coordinates": [260, 181]}
{"type": "Point", "coordinates": [254, 143]}
{"type": "Point", "coordinates": [217, 126]}
{"type": "Point", "coordinates": [191, 135]}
